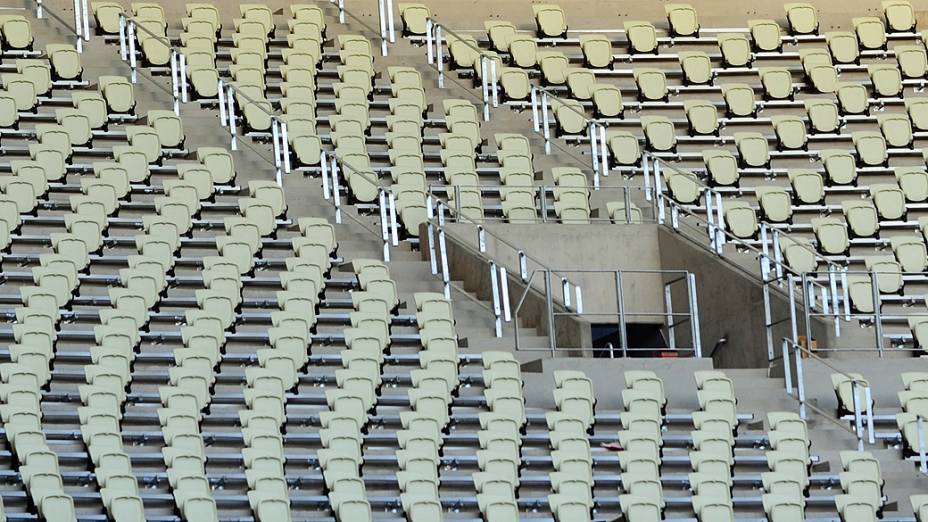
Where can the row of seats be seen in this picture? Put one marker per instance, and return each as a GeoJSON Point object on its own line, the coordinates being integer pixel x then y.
{"type": "Point", "coordinates": [404, 141]}
{"type": "Point", "coordinates": [572, 484]}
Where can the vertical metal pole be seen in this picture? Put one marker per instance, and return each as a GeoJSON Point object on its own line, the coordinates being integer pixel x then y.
{"type": "Point", "coordinates": [858, 419]}
{"type": "Point", "coordinates": [233, 131]}
{"type": "Point", "coordinates": [544, 121]}
{"type": "Point", "coordinates": [868, 410]}
{"type": "Point", "coordinates": [485, 87]}
{"type": "Point", "coordinates": [777, 254]}
{"type": "Point", "coordinates": [430, 52]}
{"type": "Point", "coordinates": [78, 26]}
{"type": "Point", "coordinates": [549, 303]}
{"type": "Point", "coordinates": [285, 145]}
{"type": "Point", "coordinates": [603, 154]}
{"type": "Point", "coordinates": [183, 77]}
{"type": "Point", "coordinates": [710, 218]}
{"type": "Point", "coordinates": [535, 120]}
{"type": "Point", "coordinates": [341, 11]}
{"type": "Point", "coordinates": [481, 239]}
{"type": "Point", "coordinates": [578, 300]}
{"type": "Point", "coordinates": [222, 104]}
{"type": "Point", "coordinates": [85, 12]}
{"type": "Point", "coordinates": [336, 191]}
{"type": "Point", "coordinates": [808, 301]}
{"type": "Point", "coordinates": [494, 83]}
{"type": "Point", "coordinates": [38, 9]}
{"type": "Point", "coordinates": [275, 138]}
{"type": "Point", "coordinates": [433, 261]}
{"type": "Point", "coordinates": [381, 9]}
{"type": "Point", "coordinates": [494, 284]}
{"type": "Point", "coordinates": [324, 167]}
{"type": "Point", "coordinates": [445, 275]}
{"type": "Point", "coordinates": [123, 48]}
{"type": "Point", "coordinates": [794, 326]}
{"type": "Point", "coordinates": [384, 231]}
{"type": "Point", "coordinates": [457, 202]}
{"type": "Point", "coordinates": [787, 368]}
{"type": "Point", "coordinates": [523, 266]}
{"type": "Point", "coordinates": [833, 286]}
{"type": "Point", "coordinates": [439, 57]}
{"type": "Point", "coordinates": [565, 292]}
{"type": "Point", "coordinates": [658, 189]}
{"type": "Point", "coordinates": [594, 146]}
{"type": "Point", "coordinates": [646, 168]}
{"type": "Point", "coordinates": [720, 222]}
{"type": "Point", "coordinates": [768, 312]}
{"type": "Point", "coordinates": [132, 57]}
{"type": "Point", "coordinates": [844, 295]}
{"type": "Point", "coordinates": [394, 233]}
{"type": "Point", "coordinates": [504, 288]}
{"type": "Point", "coordinates": [391, 27]}
{"type": "Point", "coordinates": [694, 314]}
{"type": "Point", "coordinates": [175, 82]}
{"type": "Point", "coordinates": [627, 197]}
{"type": "Point", "coordinates": [877, 313]}
{"type": "Point", "coordinates": [920, 430]}
{"type": "Point", "coordinates": [620, 307]}
{"type": "Point", "coordinates": [668, 317]}
{"type": "Point", "coordinates": [543, 203]}
{"type": "Point", "coordinates": [800, 383]}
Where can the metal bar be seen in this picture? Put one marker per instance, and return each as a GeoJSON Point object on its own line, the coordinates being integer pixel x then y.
{"type": "Point", "coordinates": [620, 304]}
{"type": "Point", "coordinates": [543, 203]}
{"type": "Point", "coordinates": [603, 155]}
{"type": "Point", "coordinates": [877, 313]}
{"type": "Point", "coordinates": [768, 312]}
{"type": "Point", "coordinates": [523, 266]}
{"type": "Point", "coordinates": [858, 419]}
{"type": "Point", "coordinates": [578, 300]}
{"type": "Point", "coordinates": [808, 301]}
{"type": "Point", "coordinates": [504, 287]}
{"type": "Point", "coordinates": [183, 78]}
{"type": "Point", "coordinates": [594, 155]}
{"type": "Point", "coordinates": [123, 48]}
{"type": "Point", "coordinates": [230, 97]}
{"type": "Point", "coordinates": [720, 225]}
{"type": "Point", "coordinates": [777, 254]}
{"type": "Point", "coordinates": [38, 9]}
{"type": "Point", "coordinates": [920, 430]}
{"type": "Point", "coordinates": [694, 314]}
{"type": "Point", "coordinates": [457, 203]}
{"type": "Point", "coordinates": [646, 167]}
{"type": "Point", "coordinates": [381, 9]}
{"type": "Point", "coordinates": [494, 83]}
{"type": "Point", "coordinates": [433, 261]}
{"type": "Point", "coordinates": [565, 292]}
{"type": "Point", "coordinates": [535, 120]}
{"type": "Point", "coordinates": [85, 13]}
{"type": "Point", "coordinates": [341, 11]}
{"type": "Point", "coordinates": [668, 317]}
{"type": "Point", "coordinates": [439, 57]}
{"type": "Point", "coordinates": [791, 289]}
{"type": "Point", "coordinates": [175, 82]}
{"type": "Point", "coordinates": [132, 57]}
{"type": "Point", "coordinates": [336, 190]}
{"type": "Point", "coordinates": [394, 233]}
{"type": "Point", "coordinates": [390, 23]}
{"type": "Point", "coordinates": [549, 303]}
{"type": "Point", "coordinates": [494, 284]}
{"type": "Point", "coordinates": [285, 145]}
{"type": "Point", "coordinates": [544, 121]}
{"type": "Point", "coordinates": [660, 191]}
{"type": "Point", "coordinates": [868, 408]}
{"type": "Point", "coordinates": [222, 104]}
{"type": "Point", "coordinates": [429, 52]}
{"type": "Point", "coordinates": [481, 239]}
{"type": "Point", "coordinates": [844, 295]}
{"type": "Point", "coordinates": [800, 384]}
{"type": "Point", "coordinates": [787, 368]}
{"type": "Point", "coordinates": [485, 87]}
{"type": "Point", "coordinates": [324, 165]}
{"type": "Point", "coordinates": [275, 138]}
{"type": "Point", "coordinates": [445, 276]}
{"type": "Point", "coordinates": [627, 197]}
{"type": "Point", "coordinates": [833, 285]}
{"type": "Point", "coordinates": [78, 26]}
{"type": "Point", "coordinates": [710, 218]}
{"type": "Point", "coordinates": [384, 233]}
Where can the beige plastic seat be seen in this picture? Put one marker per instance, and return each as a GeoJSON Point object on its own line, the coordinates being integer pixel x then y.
{"type": "Point", "coordinates": [896, 128]}
{"type": "Point", "coordinates": [597, 50]}
{"type": "Point", "coordinates": [802, 18]}
{"type": "Point", "coordinates": [886, 78]}
{"type": "Point", "coordinates": [642, 37]}
{"type": "Point", "coordinates": [581, 82]}
{"type": "Point", "coordinates": [683, 19]}
{"type": "Point", "coordinates": [910, 252]}
{"type": "Point", "coordinates": [739, 99]}
{"type": "Point", "coordinates": [831, 234]}
{"type": "Point", "coordinates": [500, 33]}
{"type": "Point", "coordinates": [799, 253]}
{"type": "Point", "coordinates": [117, 91]}
{"type": "Point", "coordinates": [808, 186]}
{"type": "Point", "coordinates": [870, 147]}
{"type": "Point", "coordinates": [790, 131]}
{"type": "Point", "coordinates": [736, 49]}
{"type": "Point", "coordinates": [414, 17]}
{"type": "Point", "coordinates": [624, 148]}
{"type": "Point", "coordinates": [523, 50]}
{"type": "Point", "coordinates": [741, 219]}
{"type": "Point", "coordinates": [822, 114]}
{"type": "Point", "coordinates": [620, 213]}
{"type": "Point", "coordinates": [777, 83]}
{"type": "Point", "coordinates": [900, 17]}
{"type": "Point", "coordinates": [570, 116]}
{"type": "Point", "coordinates": [870, 32]}
{"type": "Point", "coordinates": [914, 183]}
{"type": "Point", "coordinates": [554, 66]}
{"type": "Point", "coordinates": [107, 16]}
{"type": "Point", "coordinates": [854, 509]}
{"type": "Point", "coordinates": [702, 116]}
{"type": "Point", "coordinates": [765, 34]}
{"type": "Point", "coordinates": [917, 108]}
{"type": "Point", "coordinates": [912, 60]}
{"type": "Point", "coordinates": [752, 148]}
{"type": "Point", "coordinates": [607, 100]}
{"type": "Point", "coordinates": [852, 98]}
{"type": "Point", "coordinates": [843, 46]}
{"type": "Point", "coordinates": [551, 20]}
{"type": "Point", "coordinates": [775, 203]}
{"type": "Point", "coordinates": [652, 84]}
{"type": "Point", "coordinates": [861, 217]}
{"type": "Point", "coordinates": [659, 133]}
{"type": "Point", "coordinates": [65, 61]}
{"type": "Point", "coordinates": [840, 166]}
{"type": "Point", "coordinates": [889, 200]}
{"type": "Point", "coordinates": [696, 66]}
{"type": "Point", "coordinates": [722, 166]}
{"type": "Point", "coordinates": [684, 187]}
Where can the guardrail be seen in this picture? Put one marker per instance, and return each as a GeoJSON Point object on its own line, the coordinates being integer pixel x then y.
{"type": "Point", "coordinates": [489, 86]}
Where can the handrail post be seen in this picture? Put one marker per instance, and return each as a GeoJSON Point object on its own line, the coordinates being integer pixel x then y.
{"type": "Point", "coordinates": [620, 308]}
{"type": "Point", "coordinates": [603, 151]}
{"type": "Point", "coordinates": [183, 78]}
{"type": "Point", "coordinates": [230, 98]}
{"type": "Point", "coordinates": [544, 121]}
{"type": "Point", "coordinates": [341, 11]}
{"type": "Point", "coordinates": [836, 304]}
{"type": "Point", "coordinates": [800, 383]}
{"type": "Point", "coordinates": [442, 245]}
{"type": "Point", "coordinates": [485, 87]}
{"type": "Point", "coordinates": [394, 233]}
{"type": "Point", "coordinates": [275, 139]}
{"type": "Point", "coordinates": [86, 20]}
{"type": "Point", "coordinates": [694, 314]}
{"type": "Point", "coordinates": [123, 45]}
{"type": "Point", "coordinates": [481, 239]}
{"type": "Point", "coordinates": [594, 154]}
{"type": "Point", "coordinates": [285, 145]}
{"type": "Point", "coordinates": [668, 317]}
{"type": "Point", "coordinates": [439, 57]}
{"type": "Point", "coordinates": [384, 234]}
{"type": "Point", "coordinates": [549, 303]}
{"type": "Point", "coordinates": [523, 266]}
{"type": "Point", "coordinates": [504, 289]}
{"type": "Point", "coordinates": [324, 168]}
{"type": "Point", "coordinates": [132, 57]}
{"type": "Point", "coordinates": [787, 369]}
{"type": "Point", "coordinates": [429, 51]}
{"type": "Point", "coordinates": [430, 208]}
{"type": "Point", "coordinates": [494, 83]}
{"type": "Point", "coordinates": [877, 313]}
{"type": "Point", "coordinates": [646, 169]}
{"type": "Point", "coordinates": [920, 430]}
{"type": "Point", "coordinates": [336, 190]}
{"type": "Point", "coordinates": [868, 398]}
{"type": "Point", "coordinates": [175, 81]}
{"type": "Point", "coordinates": [858, 418]}
{"type": "Point", "coordinates": [391, 27]}
{"type": "Point", "coordinates": [720, 225]}
{"type": "Point", "coordinates": [38, 9]}
{"type": "Point", "coordinates": [494, 284]}
{"type": "Point", "coordinates": [534, 100]}
{"type": "Point", "coordinates": [381, 9]}
{"type": "Point", "coordinates": [78, 26]}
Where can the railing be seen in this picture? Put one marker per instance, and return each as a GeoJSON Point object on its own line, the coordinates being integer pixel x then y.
{"type": "Point", "coordinates": [489, 86]}
{"type": "Point", "coordinates": [81, 29]}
